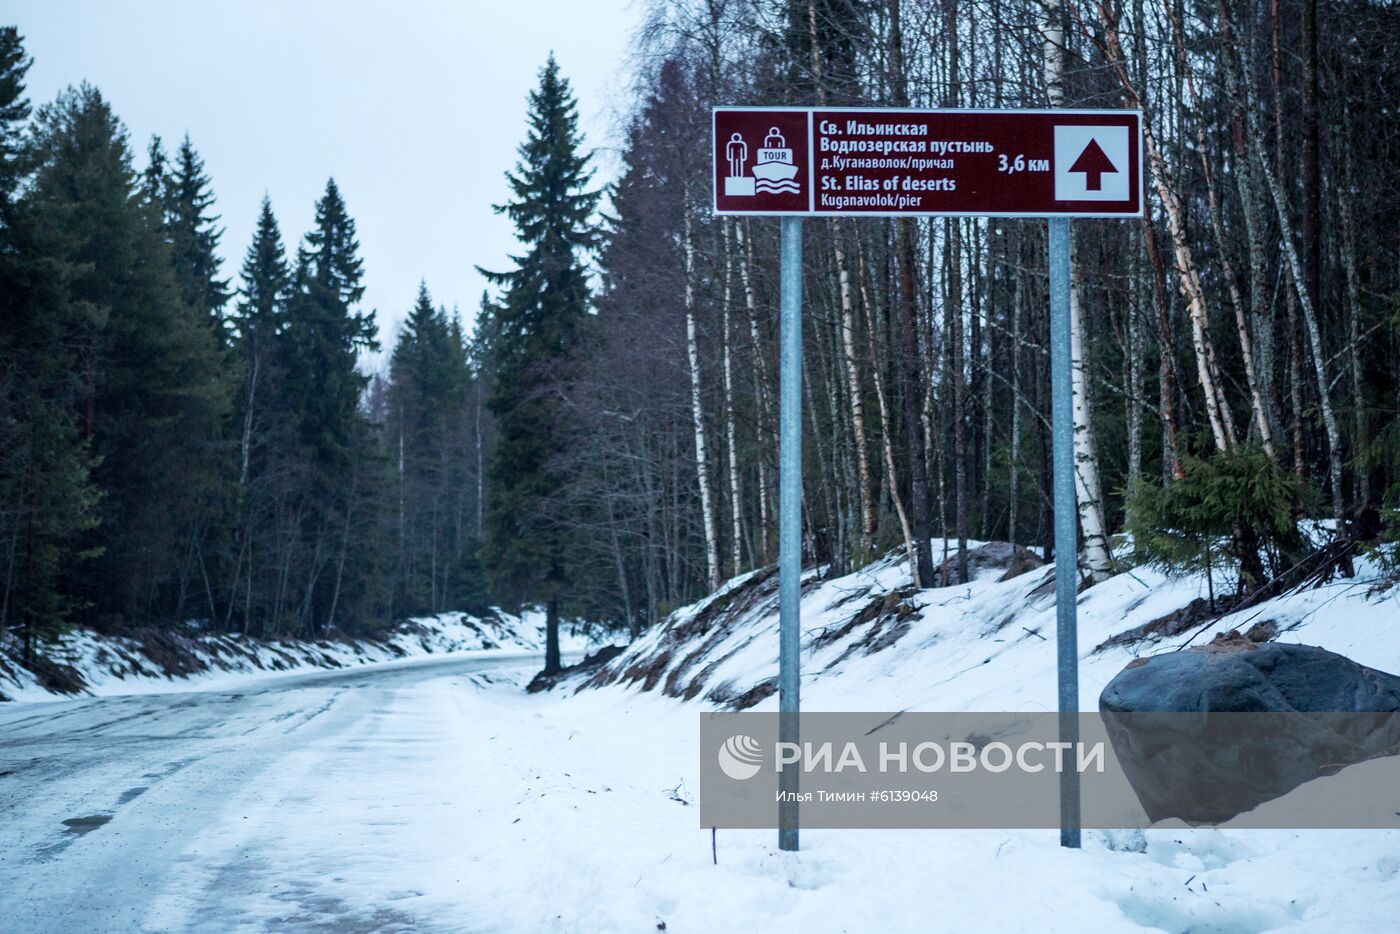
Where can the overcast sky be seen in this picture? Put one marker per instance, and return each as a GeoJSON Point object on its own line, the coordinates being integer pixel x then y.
{"type": "Point", "coordinates": [414, 107]}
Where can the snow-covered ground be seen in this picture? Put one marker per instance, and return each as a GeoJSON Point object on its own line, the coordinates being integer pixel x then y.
{"type": "Point", "coordinates": [613, 844]}
{"type": "Point", "coordinates": [580, 816]}
{"type": "Point", "coordinates": [984, 646]}
{"type": "Point", "coordinates": [432, 795]}
{"type": "Point", "coordinates": [165, 661]}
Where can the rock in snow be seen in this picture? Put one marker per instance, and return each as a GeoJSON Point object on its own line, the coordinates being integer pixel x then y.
{"type": "Point", "coordinates": [1310, 712]}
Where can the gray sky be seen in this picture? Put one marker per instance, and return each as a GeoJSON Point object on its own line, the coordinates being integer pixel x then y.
{"type": "Point", "coordinates": [415, 107]}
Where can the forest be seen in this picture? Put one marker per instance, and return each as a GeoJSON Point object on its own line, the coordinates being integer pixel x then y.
{"type": "Point", "coordinates": [181, 447]}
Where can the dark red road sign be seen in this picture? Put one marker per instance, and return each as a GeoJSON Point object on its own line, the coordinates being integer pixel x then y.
{"type": "Point", "coordinates": [1032, 163]}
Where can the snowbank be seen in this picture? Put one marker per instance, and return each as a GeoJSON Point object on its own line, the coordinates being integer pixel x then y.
{"type": "Point", "coordinates": [495, 810]}
{"type": "Point", "coordinates": [462, 803]}
{"type": "Point", "coordinates": [579, 815]}
{"type": "Point", "coordinates": [870, 642]}
{"type": "Point", "coordinates": [84, 662]}
{"type": "Point", "coordinates": [582, 813]}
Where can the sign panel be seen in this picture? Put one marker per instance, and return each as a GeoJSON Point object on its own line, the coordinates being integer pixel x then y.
{"type": "Point", "coordinates": [873, 162]}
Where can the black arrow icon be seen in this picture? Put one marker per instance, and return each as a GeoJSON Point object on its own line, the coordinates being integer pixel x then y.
{"type": "Point", "coordinates": [1094, 164]}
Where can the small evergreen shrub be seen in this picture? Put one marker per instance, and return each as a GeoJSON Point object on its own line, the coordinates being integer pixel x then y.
{"type": "Point", "coordinates": [1235, 511]}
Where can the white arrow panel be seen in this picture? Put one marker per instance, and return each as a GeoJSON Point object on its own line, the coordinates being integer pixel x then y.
{"type": "Point", "coordinates": [1071, 143]}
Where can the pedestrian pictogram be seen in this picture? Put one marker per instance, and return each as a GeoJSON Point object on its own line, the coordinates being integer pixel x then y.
{"type": "Point", "coordinates": [736, 183]}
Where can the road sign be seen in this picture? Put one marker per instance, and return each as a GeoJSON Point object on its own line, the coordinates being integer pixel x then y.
{"type": "Point", "coordinates": [796, 162]}
{"type": "Point", "coordinates": [877, 162]}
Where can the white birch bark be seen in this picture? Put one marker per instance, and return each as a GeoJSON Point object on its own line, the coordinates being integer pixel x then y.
{"type": "Point", "coordinates": [1088, 487]}
{"type": "Point", "coordinates": [1305, 301]}
{"type": "Point", "coordinates": [1217, 411]}
{"type": "Point", "coordinates": [1261, 418]}
{"type": "Point", "coordinates": [760, 383]}
{"type": "Point", "coordinates": [1348, 251]}
{"type": "Point", "coordinates": [891, 474]}
{"type": "Point", "coordinates": [1135, 373]}
{"type": "Point", "coordinates": [736, 502]}
{"type": "Point", "coordinates": [702, 470]}
{"type": "Point", "coordinates": [852, 367]}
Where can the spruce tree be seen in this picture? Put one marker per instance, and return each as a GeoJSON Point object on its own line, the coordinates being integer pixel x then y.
{"type": "Point", "coordinates": [14, 110]}
{"type": "Point", "coordinates": [534, 329]}
{"type": "Point", "coordinates": [155, 178]}
{"type": "Point", "coordinates": [49, 501]}
{"type": "Point", "coordinates": [259, 314]}
{"type": "Point", "coordinates": [194, 237]}
{"type": "Point", "coordinates": [332, 446]}
{"type": "Point", "coordinates": [266, 277]}
{"type": "Point", "coordinates": [325, 333]}
{"type": "Point", "coordinates": [425, 405]}
{"type": "Point", "coordinates": [260, 421]}
{"type": "Point", "coordinates": [151, 399]}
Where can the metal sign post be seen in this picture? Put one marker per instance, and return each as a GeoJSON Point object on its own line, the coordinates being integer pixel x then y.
{"type": "Point", "coordinates": [796, 162]}
{"type": "Point", "coordinates": [789, 515]}
{"type": "Point", "coordinates": [1066, 518]}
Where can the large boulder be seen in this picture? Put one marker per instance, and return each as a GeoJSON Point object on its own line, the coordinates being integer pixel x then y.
{"type": "Point", "coordinates": [1207, 733]}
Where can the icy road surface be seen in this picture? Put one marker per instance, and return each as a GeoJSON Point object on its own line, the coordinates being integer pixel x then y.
{"type": "Point", "coordinates": [436, 796]}
{"type": "Point", "coordinates": [218, 810]}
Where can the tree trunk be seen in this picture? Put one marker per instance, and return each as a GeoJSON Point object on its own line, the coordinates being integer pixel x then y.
{"type": "Point", "coordinates": [957, 350]}
{"type": "Point", "coordinates": [1136, 303]}
{"type": "Point", "coordinates": [702, 461]}
{"type": "Point", "coordinates": [1261, 418]}
{"type": "Point", "coordinates": [1354, 335]}
{"type": "Point", "coordinates": [922, 569]}
{"type": "Point", "coordinates": [1305, 302]}
{"type": "Point", "coordinates": [1086, 457]}
{"type": "Point", "coordinates": [736, 502]}
{"type": "Point", "coordinates": [886, 423]}
{"type": "Point", "coordinates": [1013, 478]}
{"type": "Point", "coordinates": [1311, 243]}
{"type": "Point", "coordinates": [1207, 372]}
{"type": "Point", "coordinates": [1097, 552]}
{"type": "Point", "coordinates": [552, 662]}
{"type": "Point", "coordinates": [851, 360]}
{"type": "Point", "coordinates": [760, 386]}
{"type": "Point", "coordinates": [1166, 359]}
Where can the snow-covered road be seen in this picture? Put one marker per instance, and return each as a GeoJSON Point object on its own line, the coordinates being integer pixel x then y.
{"type": "Point", "coordinates": [214, 810]}
{"type": "Point", "coordinates": [435, 795]}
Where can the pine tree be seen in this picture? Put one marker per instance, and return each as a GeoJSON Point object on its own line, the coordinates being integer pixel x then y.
{"type": "Point", "coordinates": [546, 299]}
